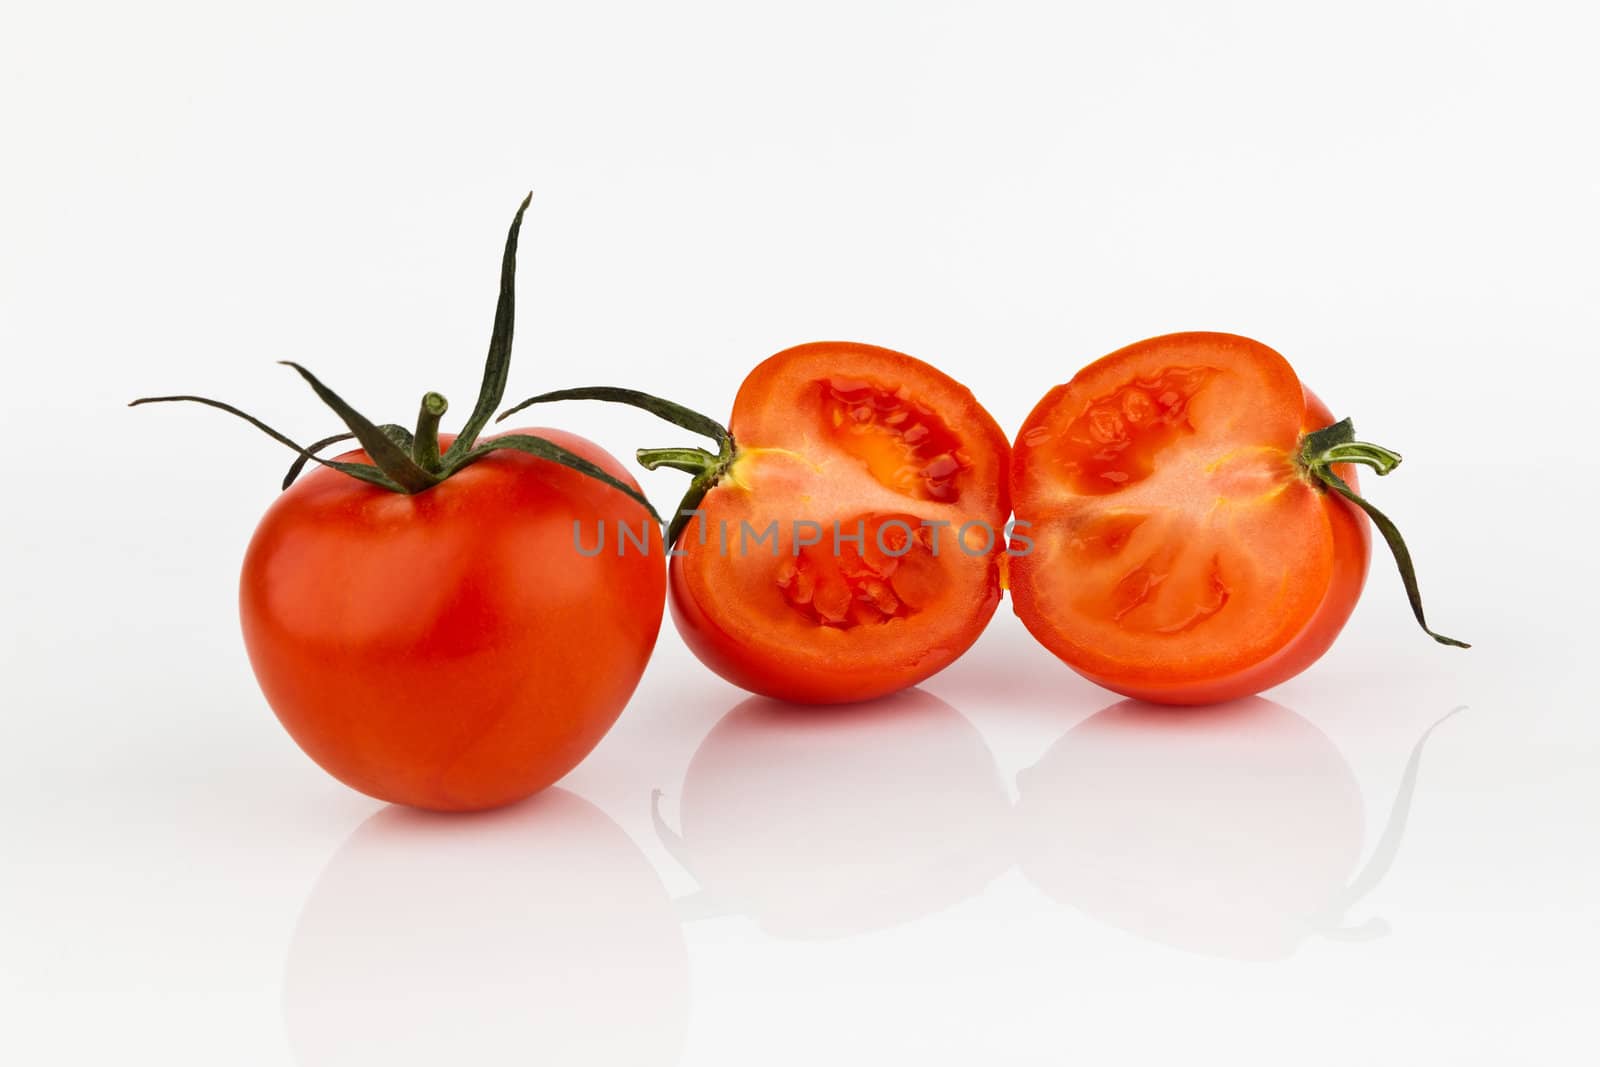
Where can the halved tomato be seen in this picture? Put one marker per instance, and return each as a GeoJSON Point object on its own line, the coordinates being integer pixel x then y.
{"type": "Point", "coordinates": [1190, 542]}
{"type": "Point", "coordinates": [845, 541]}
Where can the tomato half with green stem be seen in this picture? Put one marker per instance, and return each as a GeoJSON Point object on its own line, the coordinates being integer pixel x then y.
{"type": "Point", "coordinates": [1198, 532]}
{"type": "Point", "coordinates": [416, 612]}
{"type": "Point", "coordinates": [845, 539]}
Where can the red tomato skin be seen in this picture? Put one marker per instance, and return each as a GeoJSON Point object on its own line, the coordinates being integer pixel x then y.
{"type": "Point", "coordinates": [715, 649]}
{"type": "Point", "coordinates": [452, 649]}
{"type": "Point", "coordinates": [736, 662]}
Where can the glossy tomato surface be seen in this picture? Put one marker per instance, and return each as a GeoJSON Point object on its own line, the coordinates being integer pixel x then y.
{"type": "Point", "coordinates": [1179, 553]}
{"type": "Point", "coordinates": [894, 457]}
{"type": "Point", "coordinates": [452, 649]}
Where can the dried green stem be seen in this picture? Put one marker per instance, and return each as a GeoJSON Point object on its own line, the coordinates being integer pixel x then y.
{"type": "Point", "coordinates": [1319, 451]}
{"type": "Point", "coordinates": [425, 444]}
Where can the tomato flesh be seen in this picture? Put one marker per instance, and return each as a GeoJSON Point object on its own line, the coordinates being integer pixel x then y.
{"type": "Point", "coordinates": [451, 649]}
{"type": "Point", "coordinates": [1180, 555]}
{"type": "Point", "coordinates": [1119, 439]}
{"type": "Point", "coordinates": [866, 466]}
{"type": "Point", "coordinates": [904, 444]}
{"type": "Point", "coordinates": [892, 577]}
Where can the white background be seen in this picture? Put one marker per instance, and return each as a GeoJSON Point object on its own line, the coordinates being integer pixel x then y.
{"type": "Point", "coordinates": [1401, 197]}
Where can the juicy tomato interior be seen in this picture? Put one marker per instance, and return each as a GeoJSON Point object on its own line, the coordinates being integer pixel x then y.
{"type": "Point", "coordinates": [904, 445]}
{"type": "Point", "coordinates": [1178, 553]}
{"type": "Point", "coordinates": [855, 548]}
{"type": "Point", "coordinates": [1116, 442]}
{"type": "Point", "coordinates": [890, 574]}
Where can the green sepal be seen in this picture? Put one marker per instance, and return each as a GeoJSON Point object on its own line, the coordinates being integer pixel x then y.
{"type": "Point", "coordinates": [314, 447]}
{"type": "Point", "coordinates": [391, 458]}
{"type": "Point", "coordinates": [1339, 433]}
{"type": "Point", "coordinates": [708, 469]}
{"type": "Point", "coordinates": [497, 366]}
{"type": "Point", "coordinates": [676, 414]}
{"type": "Point", "coordinates": [538, 446]}
{"type": "Point", "coordinates": [363, 471]}
{"type": "Point", "coordinates": [398, 434]}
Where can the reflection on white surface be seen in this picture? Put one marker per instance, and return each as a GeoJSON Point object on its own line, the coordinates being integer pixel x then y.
{"type": "Point", "coordinates": [1231, 831]}
{"type": "Point", "coordinates": [824, 822]}
{"type": "Point", "coordinates": [534, 934]}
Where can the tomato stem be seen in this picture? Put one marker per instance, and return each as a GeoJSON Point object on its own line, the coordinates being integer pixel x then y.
{"type": "Point", "coordinates": [1377, 457]}
{"type": "Point", "coordinates": [1323, 448]}
{"type": "Point", "coordinates": [690, 460]}
{"type": "Point", "coordinates": [425, 445]}
{"type": "Point", "coordinates": [707, 469]}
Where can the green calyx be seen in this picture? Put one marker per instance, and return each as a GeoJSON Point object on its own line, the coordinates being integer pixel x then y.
{"type": "Point", "coordinates": [1323, 448]}
{"type": "Point", "coordinates": [406, 461]}
{"type": "Point", "coordinates": [707, 468]}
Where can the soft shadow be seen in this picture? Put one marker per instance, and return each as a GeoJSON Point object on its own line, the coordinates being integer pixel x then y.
{"type": "Point", "coordinates": [533, 934]}
{"type": "Point", "coordinates": [825, 822]}
{"type": "Point", "coordinates": [1233, 831]}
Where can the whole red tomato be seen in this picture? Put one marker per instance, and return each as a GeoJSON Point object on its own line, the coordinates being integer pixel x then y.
{"type": "Point", "coordinates": [845, 541]}
{"type": "Point", "coordinates": [451, 649]}
{"type": "Point", "coordinates": [1196, 531]}
{"type": "Point", "coordinates": [420, 614]}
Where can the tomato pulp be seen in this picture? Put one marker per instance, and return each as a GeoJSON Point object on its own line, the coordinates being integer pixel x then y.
{"type": "Point", "coordinates": [1181, 551]}
{"type": "Point", "coordinates": [451, 649]}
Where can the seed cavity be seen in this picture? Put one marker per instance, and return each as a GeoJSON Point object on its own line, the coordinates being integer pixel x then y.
{"type": "Point", "coordinates": [1171, 591]}
{"type": "Point", "coordinates": [1114, 444]}
{"type": "Point", "coordinates": [862, 584]}
{"type": "Point", "coordinates": [904, 445]}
